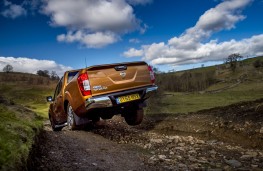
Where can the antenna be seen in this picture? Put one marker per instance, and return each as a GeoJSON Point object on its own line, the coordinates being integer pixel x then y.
{"type": "Point", "coordinates": [85, 62]}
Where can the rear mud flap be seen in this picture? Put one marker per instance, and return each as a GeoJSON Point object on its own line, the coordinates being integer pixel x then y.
{"type": "Point", "coordinates": [81, 120]}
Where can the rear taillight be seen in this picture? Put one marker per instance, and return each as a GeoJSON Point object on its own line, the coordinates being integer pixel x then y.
{"type": "Point", "coordinates": [151, 74]}
{"type": "Point", "coordinates": [84, 85]}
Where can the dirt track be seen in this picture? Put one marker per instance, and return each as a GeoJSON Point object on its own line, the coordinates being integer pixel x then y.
{"type": "Point", "coordinates": [225, 138]}
{"type": "Point", "coordinates": [83, 150]}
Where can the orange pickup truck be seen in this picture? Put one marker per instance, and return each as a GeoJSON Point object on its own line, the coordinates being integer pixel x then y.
{"type": "Point", "coordinates": [102, 91]}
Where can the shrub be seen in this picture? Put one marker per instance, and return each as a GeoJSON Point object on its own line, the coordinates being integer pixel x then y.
{"type": "Point", "coordinates": [258, 63]}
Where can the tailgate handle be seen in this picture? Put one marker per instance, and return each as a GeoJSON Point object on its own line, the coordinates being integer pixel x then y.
{"type": "Point", "coordinates": [120, 68]}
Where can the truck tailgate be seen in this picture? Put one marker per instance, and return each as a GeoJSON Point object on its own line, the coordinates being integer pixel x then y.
{"type": "Point", "coordinates": [111, 78]}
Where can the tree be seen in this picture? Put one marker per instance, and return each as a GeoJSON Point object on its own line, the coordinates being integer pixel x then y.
{"type": "Point", "coordinates": [155, 70]}
{"type": "Point", "coordinates": [258, 64]}
{"type": "Point", "coordinates": [44, 73]}
{"type": "Point", "coordinates": [8, 68]}
{"type": "Point", "coordinates": [233, 60]}
{"type": "Point", "coordinates": [54, 75]}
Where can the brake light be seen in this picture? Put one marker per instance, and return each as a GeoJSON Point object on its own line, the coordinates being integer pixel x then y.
{"type": "Point", "coordinates": [84, 84]}
{"type": "Point", "coordinates": [151, 74]}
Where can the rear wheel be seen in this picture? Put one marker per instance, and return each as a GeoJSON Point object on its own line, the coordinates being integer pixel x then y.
{"type": "Point", "coordinates": [95, 119]}
{"type": "Point", "coordinates": [70, 119]}
{"type": "Point", "coordinates": [134, 116]}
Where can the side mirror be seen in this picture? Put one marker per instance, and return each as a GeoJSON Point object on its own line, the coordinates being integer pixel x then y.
{"type": "Point", "coordinates": [49, 98]}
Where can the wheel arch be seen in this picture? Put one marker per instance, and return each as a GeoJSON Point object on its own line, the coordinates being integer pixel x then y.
{"type": "Point", "coordinates": [67, 100]}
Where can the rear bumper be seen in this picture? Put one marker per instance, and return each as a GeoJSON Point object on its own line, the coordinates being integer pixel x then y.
{"type": "Point", "coordinates": [109, 100]}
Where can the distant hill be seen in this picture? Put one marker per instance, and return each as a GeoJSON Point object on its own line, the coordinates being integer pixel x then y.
{"type": "Point", "coordinates": [23, 108]}
{"type": "Point", "coordinates": [25, 79]}
{"type": "Point", "coordinates": [200, 79]}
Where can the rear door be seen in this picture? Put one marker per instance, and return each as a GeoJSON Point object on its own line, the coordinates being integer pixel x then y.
{"type": "Point", "coordinates": [106, 79]}
{"type": "Point", "coordinates": [58, 102]}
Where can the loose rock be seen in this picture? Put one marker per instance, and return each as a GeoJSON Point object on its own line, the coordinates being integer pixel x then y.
{"type": "Point", "coordinates": [233, 163]}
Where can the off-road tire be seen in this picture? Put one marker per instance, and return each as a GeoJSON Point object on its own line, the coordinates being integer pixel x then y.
{"type": "Point", "coordinates": [71, 123]}
{"type": "Point", "coordinates": [95, 119]}
{"type": "Point", "coordinates": [53, 125]}
{"type": "Point", "coordinates": [134, 116]}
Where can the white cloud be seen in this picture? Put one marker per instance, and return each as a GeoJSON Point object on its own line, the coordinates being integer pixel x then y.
{"type": "Point", "coordinates": [133, 52]}
{"type": "Point", "coordinates": [95, 40]}
{"type": "Point", "coordinates": [13, 10]}
{"type": "Point", "coordinates": [25, 7]}
{"type": "Point", "coordinates": [32, 6]}
{"type": "Point", "coordinates": [134, 41]}
{"type": "Point", "coordinates": [92, 19]}
{"type": "Point", "coordinates": [212, 51]}
{"type": "Point", "coordinates": [94, 23]}
{"type": "Point", "coordinates": [139, 2]}
{"type": "Point", "coordinates": [28, 65]}
{"type": "Point", "coordinates": [7, 3]}
{"type": "Point", "coordinates": [223, 16]}
{"type": "Point", "coordinates": [189, 47]}
{"type": "Point", "coordinates": [99, 15]}
{"type": "Point", "coordinates": [99, 39]}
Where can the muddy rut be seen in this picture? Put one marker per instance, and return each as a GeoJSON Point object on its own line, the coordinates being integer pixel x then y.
{"type": "Point", "coordinates": [226, 138]}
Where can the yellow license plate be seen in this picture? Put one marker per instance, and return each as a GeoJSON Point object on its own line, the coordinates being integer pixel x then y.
{"type": "Point", "coordinates": [128, 98]}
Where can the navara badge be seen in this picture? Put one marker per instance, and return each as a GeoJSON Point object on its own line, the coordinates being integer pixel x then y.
{"type": "Point", "coordinates": [122, 74]}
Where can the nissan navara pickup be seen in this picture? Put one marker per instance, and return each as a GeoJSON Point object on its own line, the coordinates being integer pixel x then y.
{"type": "Point", "coordinates": [101, 91]}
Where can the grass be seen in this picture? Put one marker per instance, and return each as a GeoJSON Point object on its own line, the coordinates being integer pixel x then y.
{"type": "Point", "coordinates": [251, 88]}
{"type": "Point", "coordinates": [184, 103]}
{"type": "Point", "coordinates": [251, 60]}
{"type": "Point", "coordinates": [33, 97]}
{"type": "Point", "coordinates": [17, 133]}
{"type": "Point", "coordinates": [21, 122]}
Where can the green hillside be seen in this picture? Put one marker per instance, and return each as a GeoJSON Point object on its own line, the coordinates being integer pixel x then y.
{"type": "Point", "coordinates": [22, 109]}
{"type": "Point", "coordinates": [207, 87]}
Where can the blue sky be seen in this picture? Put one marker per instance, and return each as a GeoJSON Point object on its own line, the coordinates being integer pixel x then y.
{"type": "Point", "coordinates": [170, 34]}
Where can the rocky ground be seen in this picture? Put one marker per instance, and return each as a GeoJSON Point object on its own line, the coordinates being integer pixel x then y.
{"type": "Point", "coordinates": [223, 138]}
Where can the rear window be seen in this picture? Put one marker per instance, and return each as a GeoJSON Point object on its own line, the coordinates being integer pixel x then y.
{"type": "Point", "coordinates": [71, 75]}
